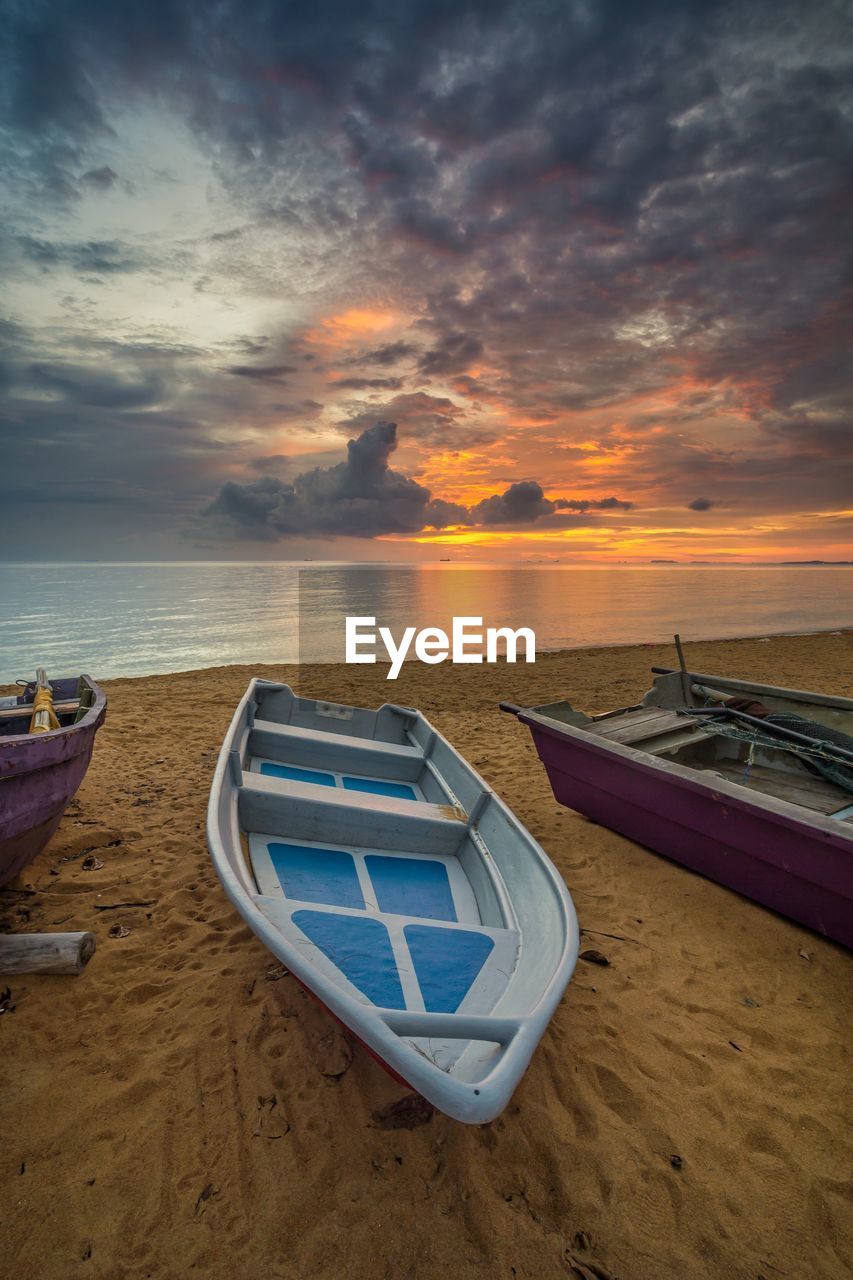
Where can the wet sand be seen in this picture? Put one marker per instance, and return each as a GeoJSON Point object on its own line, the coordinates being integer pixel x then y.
{"type": "Point", "coordinates": [182, 1108]}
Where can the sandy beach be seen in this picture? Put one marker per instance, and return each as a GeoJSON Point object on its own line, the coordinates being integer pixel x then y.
{"type": "Point", "coordinates": [183, 1108]}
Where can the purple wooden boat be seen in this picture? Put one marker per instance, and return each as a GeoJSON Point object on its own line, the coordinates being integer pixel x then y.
{"type": "Point", "coordinates": [39, 773]}
{"type": "Point", "coordinates": [752, 808]}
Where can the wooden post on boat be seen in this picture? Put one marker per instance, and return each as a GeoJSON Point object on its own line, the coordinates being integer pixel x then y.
{"type": "Point", "coordinates": [685, 678]}
{"type": "Point", "coordinates": [85, 699]}
{"type": "Point", "coordinates": [45, 952]}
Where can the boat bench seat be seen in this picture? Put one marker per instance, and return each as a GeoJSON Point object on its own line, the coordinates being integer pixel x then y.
{"type": "Point", "coordinates": [311, 811]}
{"type": "Point", "coordinates": [644, 725]}
{"type": "Point", "coordinates": [329, 745]}
{"type": "Point", "coordinates": [335, 753]}
{"type": "Point", "coordinates": [381, 799]}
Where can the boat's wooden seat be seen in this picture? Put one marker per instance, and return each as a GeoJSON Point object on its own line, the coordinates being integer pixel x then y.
{"type": "Point", "coordinates": [25, 710]}
{"type": "Point", "coordinates": [652, 728]}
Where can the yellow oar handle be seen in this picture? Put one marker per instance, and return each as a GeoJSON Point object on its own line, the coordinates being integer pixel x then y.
{"type": "Point", "coordinates": [44, 717]}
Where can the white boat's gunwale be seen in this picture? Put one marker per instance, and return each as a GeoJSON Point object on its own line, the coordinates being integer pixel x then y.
{"type": "Point", "coordinates": [472, 1102]}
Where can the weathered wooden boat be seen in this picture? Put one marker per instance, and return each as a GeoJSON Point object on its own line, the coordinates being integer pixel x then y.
{"type": "Point", "coordinates": [760, 803]}
{"type": "Point", "coordinates": [41, 772]}
{"type": "Point", "coordinates": [383, 872]}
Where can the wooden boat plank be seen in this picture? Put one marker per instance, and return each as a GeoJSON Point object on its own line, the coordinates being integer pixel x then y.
{"type": "Point", "coordinates": [638, 726]}
{"type": "Point", "coordinates": [668, 743]}
{"type": "Point", "coordinates": [817, 794]}
{"type": "Point", "coordinates": [24, 712]}
{"type": "Point", "coordinates": [633, 715]}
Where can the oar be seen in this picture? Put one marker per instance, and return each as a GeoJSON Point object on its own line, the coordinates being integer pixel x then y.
{"type": "Point", "coordinates": [44, 717]}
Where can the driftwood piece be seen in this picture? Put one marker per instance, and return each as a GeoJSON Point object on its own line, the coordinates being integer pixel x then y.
{"type": "Point", "coordinates": [45, 952]}
{"type": "Point", "coordinates": [114, 906]}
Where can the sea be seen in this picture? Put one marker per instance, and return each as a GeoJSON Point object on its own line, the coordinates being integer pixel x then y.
{"type": "Point", "coordinates": [143, 618]}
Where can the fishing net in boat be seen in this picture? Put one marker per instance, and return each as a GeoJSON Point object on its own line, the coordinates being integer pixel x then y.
{"type": "Point", "coordinates": [816, 759]}
{"type": "Point", "coordinates": [823, 764]}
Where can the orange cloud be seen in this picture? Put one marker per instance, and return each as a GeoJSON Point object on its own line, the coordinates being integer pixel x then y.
{"type": "Point", "coordinates": [353, 325]}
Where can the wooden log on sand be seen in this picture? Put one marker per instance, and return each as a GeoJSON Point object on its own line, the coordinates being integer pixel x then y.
{"type": "Point", "coordinates": [45, 952]}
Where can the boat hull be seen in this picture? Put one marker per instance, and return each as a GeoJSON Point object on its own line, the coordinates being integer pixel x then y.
{"type": "Point", "coordinates": [39, 775]}
{"type": "Point", "coordinates": [796, 867]}
{"type": "Point", "coordinates": [396, 887]}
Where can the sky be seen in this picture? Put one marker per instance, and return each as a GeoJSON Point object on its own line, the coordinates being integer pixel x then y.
{"type": "Point", "coordinates": [416, 280]}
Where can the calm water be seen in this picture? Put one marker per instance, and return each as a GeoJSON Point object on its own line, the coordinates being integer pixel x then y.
{"type": "Point", "coordinates": [136, 619]}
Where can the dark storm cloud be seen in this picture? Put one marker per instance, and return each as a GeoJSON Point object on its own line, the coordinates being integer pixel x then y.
{"type": "Point", "coordinates": [622, 118]}
{"type": "Point", "coordinates": [421, 416]}
{"type": "Point", "coordinates": [453, 354]}
{"type": "Point", "coordinates": [368, 384]}
{"type": "Point", "coordinates": [269, 462]}
{"type": "Point", "coordinates": [102, 179]}
{"type": "Point", "coordinates": [264, 373]}
{"type": "Point", "coordinates": [98, 257]}
{"type": "Point", "coordinates": [524, 501]}
{"type": "Point", "coordinates": [390, 354]}
{"type": "Point", "coordinates": [594, 504]}
{"type": "Point", "coordinates": [95, 386]}
{"type": "Point", "coordinates": [701, 504]}
{"type": "Point", "coordinates": [389, 159]}
{"type": "Point", "coordinates": [361, 497]}
{"type": "Point", "coordinates": [114, 431]}
{"type": "Point", "coordinates": [364, 498]}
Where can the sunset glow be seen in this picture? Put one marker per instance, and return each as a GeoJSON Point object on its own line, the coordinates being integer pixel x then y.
{"type": "Point", "coordinates": [349, 327]}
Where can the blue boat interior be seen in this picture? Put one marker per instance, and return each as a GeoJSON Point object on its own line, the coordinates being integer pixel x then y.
{"type": "Point", "coordinates": [404, 929]}
{"type": "Point", "coordinates": [360, 844]}
{"type": "Point", "coordinates": [349, 782]}
{"type": "Point", "coordinates": [330, 758]}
